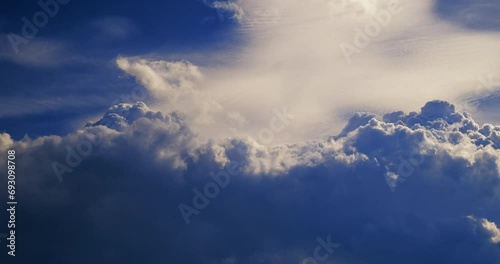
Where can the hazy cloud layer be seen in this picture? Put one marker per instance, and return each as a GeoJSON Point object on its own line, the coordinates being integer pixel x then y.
{"type": "Point", "coordinates": [324, 59]}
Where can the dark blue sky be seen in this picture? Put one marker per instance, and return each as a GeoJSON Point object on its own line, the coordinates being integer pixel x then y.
{"type": "Point", "coordinates": [70, 62]}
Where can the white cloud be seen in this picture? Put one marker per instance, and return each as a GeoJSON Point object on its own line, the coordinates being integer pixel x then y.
{"type": "Point", "coordinates": [297, 61]}
{"type": "Point", "coordinates": [165, 80]}
{"type": "Point", "coordinates": [227, 6]}
{"type": "Point", "coordinates": [490, 227]}
{"type": "Point", "coordinates": [291, 57]}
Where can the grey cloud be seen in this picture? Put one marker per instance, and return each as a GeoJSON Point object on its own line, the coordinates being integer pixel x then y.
{"type": "Point", "coordinates": [120, 203]}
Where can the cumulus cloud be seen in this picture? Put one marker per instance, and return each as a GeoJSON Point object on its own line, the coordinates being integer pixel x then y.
{"type": "Point", "coordinates": [180, 86]}
{"type": "Point", "coordinates": [278, 199]}
{"type": "Point", "coordinates": [165, 80]}
{"type": "Point", "coordinates": [291, 54]}
{"type": "Point", "coordinates": [187, 179]}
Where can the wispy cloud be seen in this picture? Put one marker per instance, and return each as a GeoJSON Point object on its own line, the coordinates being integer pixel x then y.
{"type": "Point", "coordinates": [39, 52]}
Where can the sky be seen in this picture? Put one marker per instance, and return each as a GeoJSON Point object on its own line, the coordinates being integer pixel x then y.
{"type": "Point", "coordinates": [252, 131]}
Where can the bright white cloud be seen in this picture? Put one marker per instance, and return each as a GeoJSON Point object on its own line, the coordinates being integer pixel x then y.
{"type": "Point", "coordinates": [490, 227]}
{"type": "Point", "coordinates": [415, 58]}
{"type": "Point", "coordinates": [165, 80]}
{"type": "Point", "coordinates": [292, 57]}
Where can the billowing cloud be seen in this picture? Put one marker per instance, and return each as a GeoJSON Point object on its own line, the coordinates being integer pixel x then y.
{"type": "Point", "coordinates": [165, 80]}
{"type": "Point", "coordinates": [324, 60]}
{"type": "Point", "coordinates": [291, 155]}
{"type": "Point", "coordinates": [337, 56]}
{"type": "Point", "coordinates": [237, 200]}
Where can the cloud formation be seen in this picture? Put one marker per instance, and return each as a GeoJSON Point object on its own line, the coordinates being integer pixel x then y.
{"type": "Point", "coordinates": [280, 198]}
{"type": "Point", "coordinates": [292, 52]}
{"type": "Point", "coordinates": [189, 179]}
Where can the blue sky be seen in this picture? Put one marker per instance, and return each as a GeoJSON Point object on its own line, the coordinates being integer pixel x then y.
{"type": "Point", "coordinates": [264, 131]}
{"type": "Point", "coordinates": [75, 53]}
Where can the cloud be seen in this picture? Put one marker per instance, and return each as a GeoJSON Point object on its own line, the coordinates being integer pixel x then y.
{"type": "Point", "coordinates": [493, 230]}
{"type": "Point", "coordinates": [389, 187]}
{"type": "Point", "coordinates": [291, 52]}
{"type": "Point", "coordinates": [279, 198]}
{"type": "Point", "coordinates": [232, 7]}
{"type": "Point", "coordinates": [37, 52]}
{"type": "Point", "coordinates": [352, 8]}
{"type": "Point", "coordinates": [489, 227]}
{"type": "Point", "coordinates": [181, 86]}
{"type": "Point", "coordinates": [165, 80]}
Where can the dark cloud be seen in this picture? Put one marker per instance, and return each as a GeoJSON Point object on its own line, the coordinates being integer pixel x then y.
{"type": "Point", "coordinates": [121, 203]}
